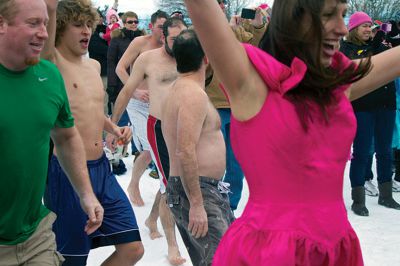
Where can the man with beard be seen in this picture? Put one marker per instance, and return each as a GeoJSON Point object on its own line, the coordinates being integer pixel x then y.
{"type": "Point", "coordinates": [70, 28]}
{"type": "Point", "coordinates": [33, 91]}
{"type": "Point", "coordinates": [158, 68]}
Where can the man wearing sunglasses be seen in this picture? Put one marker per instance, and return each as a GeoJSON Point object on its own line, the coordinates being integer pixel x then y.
{"type": "Point", "coordinates": [120, 40]}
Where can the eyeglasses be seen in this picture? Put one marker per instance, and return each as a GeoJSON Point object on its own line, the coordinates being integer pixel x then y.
{"type": "Point", "coordinates": [132, 21]}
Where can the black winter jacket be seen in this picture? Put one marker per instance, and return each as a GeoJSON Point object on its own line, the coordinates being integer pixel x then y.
{"type": "Point", "coordinates": [383, 98]}
{"type": "Point", "coordinates": [118, 45]}
{"type": "Point", "coordinates": [98, 49]}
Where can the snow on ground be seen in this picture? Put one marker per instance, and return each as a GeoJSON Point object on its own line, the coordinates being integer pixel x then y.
{"type": "Point", "coordinates": [379, 233]}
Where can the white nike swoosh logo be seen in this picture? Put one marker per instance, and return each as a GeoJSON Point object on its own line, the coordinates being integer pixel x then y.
{"type": "Point", "coordinates": [42, 79]}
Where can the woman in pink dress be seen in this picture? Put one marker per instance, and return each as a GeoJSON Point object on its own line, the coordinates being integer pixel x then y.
{"type": "Point", "coordinates": [291, 130]}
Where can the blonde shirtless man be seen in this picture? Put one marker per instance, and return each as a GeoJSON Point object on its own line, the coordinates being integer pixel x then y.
{"type": "Point", "coordinates": [138, 108]}
{"type": "Point", "coordinates": [70, 28]}
{"type": "Point", "coordinates": [192, 131]}
{"type": "Point", "coordinates": [158, 69]}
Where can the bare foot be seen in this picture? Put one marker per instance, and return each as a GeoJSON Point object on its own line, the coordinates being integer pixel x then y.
{"type": "Point", "coordinates": [154, 233]}
{"type": "Point", "coordinates": [135, 197]}
{"type": "Point", "coordinates": [174, 257]}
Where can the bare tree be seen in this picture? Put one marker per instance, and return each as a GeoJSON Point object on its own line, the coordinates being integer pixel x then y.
{"type": "Point", "coordinates": [234, 7]}
{"type": "Point", "coordinates": [377, 9]}
{"type": "Point", "coordinates": [170, 6]}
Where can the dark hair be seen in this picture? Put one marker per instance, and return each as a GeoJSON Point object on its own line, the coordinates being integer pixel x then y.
{"type": "Point", "coordinates": [171, 23]}
{"type": "Point", "coordinates": [158, 14]}
{"type": "Point", "coordinates": [284, 42]}
{"type": "Point", "coordinates": [188, 52]}
{"type": "Point", "coordinates": [177, 13]}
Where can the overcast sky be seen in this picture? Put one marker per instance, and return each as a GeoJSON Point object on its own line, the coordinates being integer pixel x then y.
{"type": "Point", "coordinates": [141, 7]}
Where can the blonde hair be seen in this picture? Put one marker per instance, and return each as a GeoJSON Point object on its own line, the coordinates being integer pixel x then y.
{"type": "Point", "coordinates": [8, 9]}
{"type": "Point", "coordinates": [74, 11]}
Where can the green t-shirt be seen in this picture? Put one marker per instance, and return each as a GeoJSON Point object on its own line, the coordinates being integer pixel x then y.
{"type": "Point", "coordinates": [32, 102]}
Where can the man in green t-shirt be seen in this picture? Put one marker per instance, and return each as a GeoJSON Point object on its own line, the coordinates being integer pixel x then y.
{"type": "Point", "coordinates": [33, 107]}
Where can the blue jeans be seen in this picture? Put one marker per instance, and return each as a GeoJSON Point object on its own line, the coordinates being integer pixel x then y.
{"type": "Point", "coordinates": [378, 126]}
{"type": "Point", "coordinates": [234, 174]}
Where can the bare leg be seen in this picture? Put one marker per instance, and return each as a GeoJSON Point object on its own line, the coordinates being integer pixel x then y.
{"type": "Point", "coordinates": [168, 223]}
{"type": "Point", "coordinates": [125, 254]}
{"type": "Point", "coordinates": [151, 221]}
{"type": "Point", "coordinates": [138, 169]}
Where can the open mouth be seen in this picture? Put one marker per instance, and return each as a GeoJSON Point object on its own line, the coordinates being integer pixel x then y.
{"type": "Point", "coordinates": [84, 42]}
{"type": "Point", "coordinates": [329, 48]}
{"type": "Point", "coordinates": [36, 46]}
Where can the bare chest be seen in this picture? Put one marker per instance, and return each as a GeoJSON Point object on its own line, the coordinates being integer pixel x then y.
{"type": "Point", "coordinates": [84, 86]}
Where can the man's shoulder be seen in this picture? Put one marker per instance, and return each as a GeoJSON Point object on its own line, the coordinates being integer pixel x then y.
{"type": "Point", "coordinates": [92, 62]}
{"type": "Point", "coordinates": [147, 54]}
{"type": "Point", "coordinates": [157, 52]}
{"type": "Point", "coordinates": [43, 63]}
{"type": "Point", "coordinates": [190, 88]}
{"type": "Point", "coordinates": [140, 41]}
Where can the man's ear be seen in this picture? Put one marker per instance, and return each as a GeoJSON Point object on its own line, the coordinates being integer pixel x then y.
{"type": "Point", "coordinates": [3, 24]}
{"type": "Point", "coordinates": [150, 26]}
{"type": "Point", "coordinates": [205, 60]}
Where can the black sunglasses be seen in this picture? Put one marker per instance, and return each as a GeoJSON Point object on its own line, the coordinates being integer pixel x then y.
{"type": "Point", "coordinates": [132, 21]}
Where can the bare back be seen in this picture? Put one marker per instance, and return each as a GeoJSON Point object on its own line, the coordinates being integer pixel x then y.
{"type": "Point", "coordinates": [160, 73]}
{"type": "Point", "coordinates": [86, 95]}
{"type": "Point", "coordinates": [210, 145]}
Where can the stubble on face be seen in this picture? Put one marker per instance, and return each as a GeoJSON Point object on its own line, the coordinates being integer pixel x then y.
{"type": "Point", "coordinates": [32, 61]}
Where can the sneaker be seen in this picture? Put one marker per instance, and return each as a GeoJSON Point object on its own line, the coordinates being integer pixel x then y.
{"type": "Point", "coordinates": [119, 169]}
{"type": "Point", "coordinates": [370, 189]}
{"type": "Point", "coordinates": [396, 186]}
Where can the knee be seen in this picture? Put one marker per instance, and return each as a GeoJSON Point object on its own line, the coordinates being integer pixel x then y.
{"type": "Point", "coordinates": [147, 156]}
{"type": "Point", "coordinates": [131, 252]}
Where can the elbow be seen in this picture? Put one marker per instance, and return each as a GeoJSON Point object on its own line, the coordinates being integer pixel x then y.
{"type": "Point", "coordinates": [119, 71]}
{"type": "Point", "coordinates": [185, 154]}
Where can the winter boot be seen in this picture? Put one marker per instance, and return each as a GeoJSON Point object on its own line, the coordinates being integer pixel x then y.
{"type": "Point", "coordinates": [358, 197]}
{"type": "Point", "coordinates": [386, 197]}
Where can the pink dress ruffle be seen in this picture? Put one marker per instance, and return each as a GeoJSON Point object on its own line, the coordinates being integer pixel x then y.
{"type": "Point", "coordinates": [295, 214]}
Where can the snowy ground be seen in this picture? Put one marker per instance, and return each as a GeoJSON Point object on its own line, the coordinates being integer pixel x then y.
{"type": "Point", "coordinates": [379, 233]}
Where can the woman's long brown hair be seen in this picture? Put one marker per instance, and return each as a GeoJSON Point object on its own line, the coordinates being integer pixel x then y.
{"type": "Point", "coordinates": [288, 37]}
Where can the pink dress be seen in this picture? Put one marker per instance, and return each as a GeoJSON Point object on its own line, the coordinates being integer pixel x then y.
{"type": "Point", "coordinates": [295, 214]}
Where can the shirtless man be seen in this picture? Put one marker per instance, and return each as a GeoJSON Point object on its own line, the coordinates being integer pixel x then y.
{"type": "Point", "coordinates": [69, 35]}
{"type": "Point", "coordinates": [138, 108]}
{"type": "Point", "coordinates": [192, 131]}
{"type": "Point", "coordinates": [158, 69]}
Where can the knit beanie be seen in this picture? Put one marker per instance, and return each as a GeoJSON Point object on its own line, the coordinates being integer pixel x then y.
{"type": "Point", "coordinates": [357, 19]}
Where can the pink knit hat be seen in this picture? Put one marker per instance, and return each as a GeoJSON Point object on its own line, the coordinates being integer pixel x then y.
{"type": "Point", "coordinates": [357, 19]}
{"type": "Point", "coordinates": [111, 12]}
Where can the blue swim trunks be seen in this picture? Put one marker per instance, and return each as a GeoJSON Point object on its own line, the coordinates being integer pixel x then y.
{"type": "Point", "coordinates": [119, 224]}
